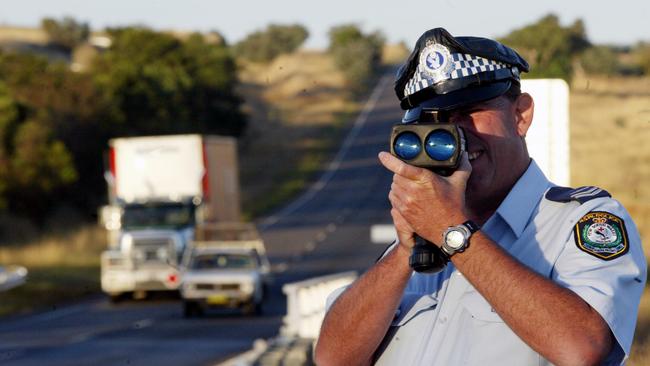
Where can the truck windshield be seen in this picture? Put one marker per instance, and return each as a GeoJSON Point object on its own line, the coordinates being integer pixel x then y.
{"type": "Point", "coordinates": [221, 260]}
{"type": "Point", "coordinates": [169, 216]}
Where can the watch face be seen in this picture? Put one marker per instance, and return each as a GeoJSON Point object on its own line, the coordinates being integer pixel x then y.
{"type": "Point", "coordinates": [455, 239]}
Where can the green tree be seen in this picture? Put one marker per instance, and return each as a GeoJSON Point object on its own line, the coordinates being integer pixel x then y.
{"type": "Point", "coordinates": [158, 84]}
{"type": "Point", "coordinates": [54, 123]}
{"type": "Point", "coordinates": [68, 107]}
{"type": "Point", "coordinates": [548, 47]}
{"type": "Point", "coordinates": [66, 33]}
{"type": "Point", "coordinates": [343, 35]}
{"type": "Point", "coordinates": [265, 45]}
{"type": "Point", "coordinates": [601, 60]}
{"type": "Point", "coordinates": [356, 54]}
{"type": "Point", "coordinates": [39, 167]}
{"type": "Point", "coordinates": [641, 54]}
{"type": "Point", "coordinates": [9, 118]}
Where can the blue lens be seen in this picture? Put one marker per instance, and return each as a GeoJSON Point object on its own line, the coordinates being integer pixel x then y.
{"type": "Point", "coordinates": [440, 145]}
{"type": "Point", "coordinates": [407, 146]}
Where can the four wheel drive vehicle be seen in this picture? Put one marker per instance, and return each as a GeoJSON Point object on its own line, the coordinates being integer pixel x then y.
{"type": "Point", "coordinates": [230, 270]}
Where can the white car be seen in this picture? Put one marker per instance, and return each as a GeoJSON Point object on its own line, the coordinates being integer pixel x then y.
{"type": "Point", "coordinates": [216, 276]}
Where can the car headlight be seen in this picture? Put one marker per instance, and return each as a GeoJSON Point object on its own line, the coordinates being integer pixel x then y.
{"type": "Point", "coordinates": [247, 287]}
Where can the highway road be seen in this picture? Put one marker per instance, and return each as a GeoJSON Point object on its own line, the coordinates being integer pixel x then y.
{"type": "Point", "coordinates": [325, 230]}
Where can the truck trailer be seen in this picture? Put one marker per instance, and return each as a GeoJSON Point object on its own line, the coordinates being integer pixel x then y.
{"type": "Point", "coordinates": [159, 189]}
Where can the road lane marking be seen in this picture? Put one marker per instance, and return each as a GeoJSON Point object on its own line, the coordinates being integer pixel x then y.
{"type": "Point", "coordinates": [141, 324]}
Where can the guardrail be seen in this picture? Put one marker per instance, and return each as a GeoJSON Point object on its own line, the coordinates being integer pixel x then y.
{"type": "Point", "coordinates": [305, 313]}
{"type": "Point", "coordinates": [11, 277]}
{"type": "Point", "coordinates": [306, 303]}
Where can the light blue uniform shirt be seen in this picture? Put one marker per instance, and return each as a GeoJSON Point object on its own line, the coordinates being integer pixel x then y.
{"type": "Point", "coordinates": [443, 320]}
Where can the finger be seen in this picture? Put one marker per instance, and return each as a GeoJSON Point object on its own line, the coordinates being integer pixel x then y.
{"type": "Point", "coordinates": [399, 167]}
{"type": "Point", "coordinates": [402, 196]}
{"type": "Point", "coordinates": [404, 232]}
{"type": "Point", "coordinates": [395, 200]}
{"type": "Point", "coordinates": [399, 190]}
{"type": "Point", "coordinates": [425, 178]}
{"type": "Point", "coordinates": [461, 175]}
{"type": "Point", "coordinates": [399, 221]}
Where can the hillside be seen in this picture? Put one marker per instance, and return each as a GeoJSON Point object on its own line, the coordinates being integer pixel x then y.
{"type": "Point", "coordinates": [298, 108]}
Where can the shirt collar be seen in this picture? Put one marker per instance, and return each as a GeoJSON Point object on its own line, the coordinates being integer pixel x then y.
{"type": "Point", "coordinates": [517, 208]}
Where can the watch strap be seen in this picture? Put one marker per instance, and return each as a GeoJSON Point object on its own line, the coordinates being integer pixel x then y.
{"type": "Point", "coordinates": [472, 226]}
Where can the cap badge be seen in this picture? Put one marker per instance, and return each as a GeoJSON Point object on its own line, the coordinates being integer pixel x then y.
{"type": "Point", "coordinates": [435, 61]}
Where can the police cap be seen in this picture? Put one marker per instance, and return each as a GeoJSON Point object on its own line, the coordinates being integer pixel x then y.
{"type": "Point", "coordinates": [445, 72]}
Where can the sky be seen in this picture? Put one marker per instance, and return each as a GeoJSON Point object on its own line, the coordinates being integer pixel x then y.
{"type": "Point", "coordinates": [622, 22]}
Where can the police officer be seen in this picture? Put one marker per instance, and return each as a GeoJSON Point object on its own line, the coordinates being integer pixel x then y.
{"type": "Point", "coordinates": [538, 274]}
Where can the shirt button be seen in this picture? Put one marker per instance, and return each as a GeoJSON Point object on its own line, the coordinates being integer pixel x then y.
{"type": "Point", "coordinates": [443, 319]}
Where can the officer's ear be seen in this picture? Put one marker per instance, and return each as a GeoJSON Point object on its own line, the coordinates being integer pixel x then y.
{"type": "Point", "coordinates": [524, 111]}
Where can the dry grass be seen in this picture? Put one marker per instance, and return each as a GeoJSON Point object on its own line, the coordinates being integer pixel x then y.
{"type": "Point", "coordinates": [22, 34]}
{"type": "Point", "coordinates": [640, 355]}
{"type": "Point", "coordinates": [610, 131]}
{"type": "Point", "coordinates": [298, 109]}
{"type": "Point", "coordinates": [79, 248]}
{"type": "Point", "coordinates": [62, 267]}
{"type": "Point", "coordinates": [394, 54]}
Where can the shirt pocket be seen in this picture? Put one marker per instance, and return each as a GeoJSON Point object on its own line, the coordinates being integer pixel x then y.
{"type": "Point", "coordinates": [479, 308]}
{"type": "Point", "coordinates": [403, 340]}
{"type": "Point", "coordinates": [491, 339]}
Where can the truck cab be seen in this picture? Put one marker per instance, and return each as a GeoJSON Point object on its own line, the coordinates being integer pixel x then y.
{"type": "Point", "coordinates": [147, 249]}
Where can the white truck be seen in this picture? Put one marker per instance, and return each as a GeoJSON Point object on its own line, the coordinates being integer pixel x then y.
{"type": "Point", "coordinates": [225, 267]}
{"type": "Point", "coordinates": [160, 187]}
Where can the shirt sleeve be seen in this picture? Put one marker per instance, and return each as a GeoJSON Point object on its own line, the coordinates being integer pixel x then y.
{"type": "Point", "coordinates": [608, 276]}
{"type": "Point", "coordinates": [331, 298]}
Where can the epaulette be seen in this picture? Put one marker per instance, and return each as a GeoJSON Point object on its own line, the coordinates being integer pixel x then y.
{"type": "Point", "coordinates": [580, 194]}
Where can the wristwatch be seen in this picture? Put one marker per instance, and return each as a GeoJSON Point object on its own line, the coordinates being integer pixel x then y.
{"type": "Point", "coordinates": [456, 238]}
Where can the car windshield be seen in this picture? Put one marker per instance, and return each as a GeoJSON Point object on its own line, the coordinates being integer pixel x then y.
{"type": "Point", "coordinates": [168, 215]}
{"type": "Point", "coordinates": [222, 260]}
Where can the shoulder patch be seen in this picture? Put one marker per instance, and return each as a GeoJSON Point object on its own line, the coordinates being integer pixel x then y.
{"type": "Point", "coordinates": [580, 194]}
{"type": "Point", "coordinates": [602, 235]}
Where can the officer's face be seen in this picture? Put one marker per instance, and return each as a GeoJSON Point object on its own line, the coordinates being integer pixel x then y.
{"type": "Point", "coordinates": [495, 132]}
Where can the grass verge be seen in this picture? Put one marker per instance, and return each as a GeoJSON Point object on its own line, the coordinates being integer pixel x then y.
{"type": "Point", "coordinates": [640, 354]}
{"type": "Point", "coordinates": [50, 286]}
{"type": "Point", "coordinates": [62, 268]}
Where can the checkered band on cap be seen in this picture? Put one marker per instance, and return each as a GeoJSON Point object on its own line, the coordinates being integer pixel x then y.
{"type": "Point", "coordinates": [462, 65]}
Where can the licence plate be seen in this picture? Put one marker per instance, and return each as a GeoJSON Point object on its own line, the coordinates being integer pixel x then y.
{"type": "Point", "coordinates": [217, 300]}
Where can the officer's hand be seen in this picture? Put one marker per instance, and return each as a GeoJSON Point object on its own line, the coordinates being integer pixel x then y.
{"type": "Point", "coordinates": [405, 233]}
{"type": "Point", "coordinates": [428, 202]}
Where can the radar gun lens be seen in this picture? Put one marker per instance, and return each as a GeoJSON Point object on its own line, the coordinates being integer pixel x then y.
{"type": "Point", "coordinates": [440, 145]}
{"type": "Point", "coordinates": [407, 146]}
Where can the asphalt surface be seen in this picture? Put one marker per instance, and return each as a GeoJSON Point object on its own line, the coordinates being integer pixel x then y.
{"type": "Point", "coordinates": [324, 231]}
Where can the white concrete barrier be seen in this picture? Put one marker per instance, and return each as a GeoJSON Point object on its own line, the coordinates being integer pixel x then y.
{"type": "Point", "coordinates": [306, 303]}
{"type": "Point", "coordinates": [12, 276]}
{"type": "Point", "coordinates": [548, 136]}
{"type": "Point", "coordinates": [382, 234]}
